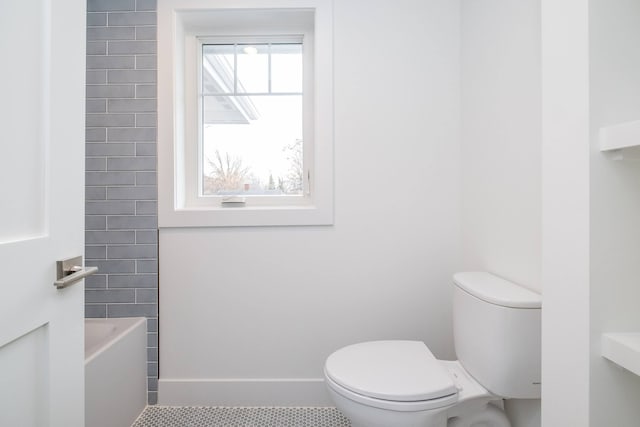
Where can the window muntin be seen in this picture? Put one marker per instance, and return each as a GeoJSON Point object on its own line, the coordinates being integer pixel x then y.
{"type": "Point", "coordinates": [252, 130]}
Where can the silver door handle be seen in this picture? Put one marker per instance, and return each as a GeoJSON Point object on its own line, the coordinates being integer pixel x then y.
{"type": "Point", "coordinates": [70, 271]}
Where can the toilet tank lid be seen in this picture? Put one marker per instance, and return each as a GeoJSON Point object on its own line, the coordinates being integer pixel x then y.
{"type": "Point", "coordinates": [496, 290]}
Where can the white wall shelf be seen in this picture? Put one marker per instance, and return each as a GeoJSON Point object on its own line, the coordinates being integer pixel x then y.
{"type": "Point", "coordinates": [623, 349]}
{"type": "Point", "coordinates": [621, 140]}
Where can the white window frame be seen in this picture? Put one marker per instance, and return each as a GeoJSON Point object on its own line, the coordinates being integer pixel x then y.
{"type": "Point", "coordinates": [181, 26]}
{"type": "Point", "coordinates": [194, 173]}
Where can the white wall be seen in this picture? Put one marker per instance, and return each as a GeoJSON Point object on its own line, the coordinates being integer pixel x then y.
{"type": "Point", "coordinates": [615, 207]}
{"type": "Point", "coordinates": [241, 304]}
{"type": "Point", "coordinates": [565, 213]}
{"type": "Point", "coordinates": [501, 149]}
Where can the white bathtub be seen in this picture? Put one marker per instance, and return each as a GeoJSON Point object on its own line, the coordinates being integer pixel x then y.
{"type": "Point", "coordinates": [115, 369]}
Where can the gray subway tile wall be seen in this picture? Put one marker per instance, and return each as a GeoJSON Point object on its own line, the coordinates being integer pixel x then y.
{"type": "Point", "coordinates": [121, 181]}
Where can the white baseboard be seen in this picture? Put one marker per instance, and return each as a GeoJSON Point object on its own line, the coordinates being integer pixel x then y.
{"type": "Point", "coordinates": [243, 392]}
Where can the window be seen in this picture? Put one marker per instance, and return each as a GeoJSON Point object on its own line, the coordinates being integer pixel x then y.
{"type": "Point", "coordinates": [252, 127]}
{"type": "Point", "coordinates": [245, 113]}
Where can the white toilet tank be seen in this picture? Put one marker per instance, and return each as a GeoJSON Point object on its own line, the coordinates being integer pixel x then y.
{"type": "Point", "coordinates": [497, 334]}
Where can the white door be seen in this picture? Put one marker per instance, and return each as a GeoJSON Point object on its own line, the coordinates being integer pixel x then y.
{"type": "Point", "coordinates": [42, 57]}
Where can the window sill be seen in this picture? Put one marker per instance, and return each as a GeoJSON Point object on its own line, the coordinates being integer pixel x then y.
{"type": "Point", "coordinates": [246, 216]}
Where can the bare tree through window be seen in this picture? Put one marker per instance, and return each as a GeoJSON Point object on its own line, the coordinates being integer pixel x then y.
{"type": "Point", "coordinates": [228, 173]}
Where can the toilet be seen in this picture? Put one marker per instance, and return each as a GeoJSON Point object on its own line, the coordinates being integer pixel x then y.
{"type": "Point", "coordinates": [397, 383]}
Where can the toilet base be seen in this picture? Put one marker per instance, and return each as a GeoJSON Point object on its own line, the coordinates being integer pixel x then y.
{"type": "Point", "coordinates": [490, 416]}
{"type": "Point", "coordinates": [367, 416]}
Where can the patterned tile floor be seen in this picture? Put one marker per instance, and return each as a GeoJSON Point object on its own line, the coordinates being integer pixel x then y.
{"type": "Point", "coordinates": [193, 416]}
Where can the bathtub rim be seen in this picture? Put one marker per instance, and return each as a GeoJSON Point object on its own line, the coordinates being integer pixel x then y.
{"type": "Point", "coordinates": [124, 325]}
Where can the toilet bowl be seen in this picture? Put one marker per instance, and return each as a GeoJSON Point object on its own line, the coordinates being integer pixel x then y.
{"type": "Point", "coordinates": [401, 384]}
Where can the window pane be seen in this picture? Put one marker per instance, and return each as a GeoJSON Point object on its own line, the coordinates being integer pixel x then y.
{"type": "Point", "coordinates": [220, 109]}
{"type": "Point", "coordinates": [286, 68]}
{"type": "Point", "coordinates": [253, 68]}
{"type": "Point", "coordinates": [217, 68]}
{"type": "Point", "coordinates": [259, 151]}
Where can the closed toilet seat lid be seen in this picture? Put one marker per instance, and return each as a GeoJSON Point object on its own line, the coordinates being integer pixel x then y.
{"type": "Point", "coordinates": [402, 371]}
